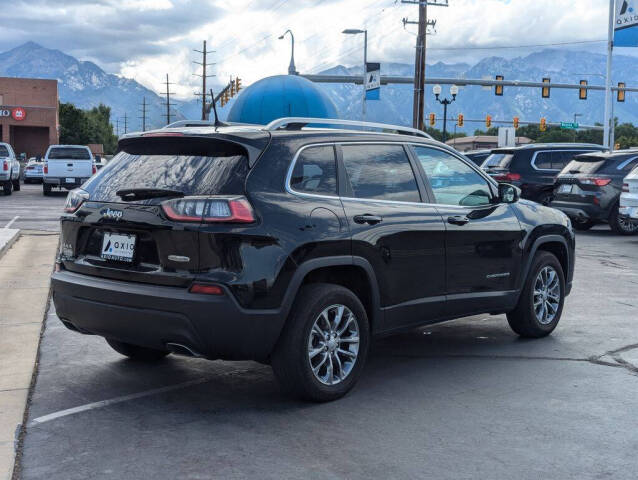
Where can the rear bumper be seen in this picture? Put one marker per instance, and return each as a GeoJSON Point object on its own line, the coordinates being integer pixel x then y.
{"type": "Point", "coordinates": [152, 316]}
{"type": "Point", "coordinates": [62, 181]}
{"type": "Point", "coordinates": [581, 211]}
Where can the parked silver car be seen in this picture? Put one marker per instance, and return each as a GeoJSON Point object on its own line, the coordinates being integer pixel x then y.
{"type": "Point", "coordinates": [33, 171]}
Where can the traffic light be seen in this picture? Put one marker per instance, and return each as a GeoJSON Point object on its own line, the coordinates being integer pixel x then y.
{"type": "Point", "coordinates": [498, 89]}
{"type": "Point", "coordinates": [232, 87]}
{"type": "Point", "coordinates": [515, 122]}
{"type": "Point", "coordinates": [459, 122]}
{"type": "Point", "coordinates": [488, 121]}
{"type": "Point", "coordinates": [237, 84]}
{"type": "Point", "coordinates": [432, 119]}
{"type": "Point", "coordinates": [543, 125]}
{"type": "Point", "coordinates": [621, 93]}
{"type": "Point", "coordinates": [222, 101]}
{"type": "Point", "coordinates": [582, 93]}
{"type": "Point", "coordinates": [545, 90]}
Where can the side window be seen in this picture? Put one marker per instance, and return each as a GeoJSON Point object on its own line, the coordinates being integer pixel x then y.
{"type": "Point", "coordinates": [381, 172]}
{"type": "Point", "coordinates": [315, 171]}
{"type": "Point", "coordinates": [561, 158]}
{"type": "Point", "coordinates": [543, 160]}
{"type": "Point", "coordinates": [453, 182]}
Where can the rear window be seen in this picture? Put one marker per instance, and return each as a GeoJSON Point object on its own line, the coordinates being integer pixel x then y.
{"type": "Point", "coordinates": [4, 151]}
{"type": "Point", "coordinates": [194, 168]}
{"type": "Point", "coordinates": [498, 160]}
{"type": "Point", "coordinates": [69, 153]}
{"type": "Point", "coordinates": [594, 164]}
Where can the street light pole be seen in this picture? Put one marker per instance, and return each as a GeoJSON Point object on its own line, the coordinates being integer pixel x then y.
{"type": "Point", "coordinates": [291, 68]}
{"type": "Point", "coordinates": [454, 90]}
{"type": "Point", "coordinates": [356, 31]}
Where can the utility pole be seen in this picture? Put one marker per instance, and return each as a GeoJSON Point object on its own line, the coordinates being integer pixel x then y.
{"type": "Point", "coordinates": [125, 124]}
{"type": "Point", "coordinates": [203, 63]}
{"type": "Point", "coordinates": [168, 104]}
{"type": "Point", "coordinates": [143, 117]}
{"type": "Point", "coordinates": [117, 127]}
{"type": "Point", "coordinates": [418, 108]}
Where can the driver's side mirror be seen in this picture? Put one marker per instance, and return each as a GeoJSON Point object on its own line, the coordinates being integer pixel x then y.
{"type": "Point", "coordinates": [508, 193]}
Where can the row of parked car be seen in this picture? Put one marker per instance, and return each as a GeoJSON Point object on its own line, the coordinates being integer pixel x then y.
{"type": "Point", "coordinates": [63, 166]}
{"type": "Point", "coordinates": [587, 182]}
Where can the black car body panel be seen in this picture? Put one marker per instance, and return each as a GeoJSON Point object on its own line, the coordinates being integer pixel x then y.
{"type": "Point", "coordinates": [533, 168]}
{"type": "Point", "coordinates": [407, 261]}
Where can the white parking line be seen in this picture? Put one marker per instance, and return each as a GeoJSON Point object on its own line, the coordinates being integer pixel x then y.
{"type": "Point", "coordinates": [11, 222]}
{"type": "Point", "coordinates": [112, 401]}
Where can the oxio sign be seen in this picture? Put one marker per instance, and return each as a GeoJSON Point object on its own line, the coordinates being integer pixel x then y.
{"type": "Point", "coordinates": [17, 113]}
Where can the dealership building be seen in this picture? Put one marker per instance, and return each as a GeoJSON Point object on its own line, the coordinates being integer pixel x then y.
{"type": "Point", "coordinates": [29, 114]}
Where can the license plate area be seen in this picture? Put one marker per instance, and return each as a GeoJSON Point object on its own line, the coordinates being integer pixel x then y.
{"type": "Point", "coordinates": [119, 247]}
{"type": "Point", "coordinates": [70, 180]}
{"type": "Point", "coordinates": [565, 188]}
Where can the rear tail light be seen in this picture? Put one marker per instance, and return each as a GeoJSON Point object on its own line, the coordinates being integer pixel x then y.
{"type": "Point", "coordinates": [45, 169]}
{"type": "Point", "coordinates": [625, 187]}
{"type": "Point", "coordinates": [599, 182]}
{"type": "Point", "coordinates": [5, 165]}
{"type": "Point", "coordinates": [94, 169]}
{"type": "Point", "coordinates": [209, 210]}
{"type": "Point", "coordinates": [75, 199]}
{"type": "Point", "coordinates": [507, 177]}
{"type": "Point", "coordinates": [206, 289]}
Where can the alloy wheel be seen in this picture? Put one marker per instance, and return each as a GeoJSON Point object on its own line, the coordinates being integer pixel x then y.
{"type": "Point", "coordinates": [546, 295]}
{"type": "Point", "coordinates": [333, 344]}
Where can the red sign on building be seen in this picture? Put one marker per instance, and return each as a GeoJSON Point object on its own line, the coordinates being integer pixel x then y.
{"type": "Point", "coordinates": [19, 114]}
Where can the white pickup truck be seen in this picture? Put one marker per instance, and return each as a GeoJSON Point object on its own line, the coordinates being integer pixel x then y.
{"type": "Point", "coordinates": [9, 169]}
{"type": "Point", "coordinates": [67, 166]}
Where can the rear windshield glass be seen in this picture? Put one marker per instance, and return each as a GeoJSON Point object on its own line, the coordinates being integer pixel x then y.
{"type": "Point", "coordinates": [4, 151]}
{"type": "Point", "coordinates": [595, 164]}
{"type": "Point", "coordinates": [498, 160]}
{"type": "Point", "coordinates": [184, 168]}
{"type": "Point", "coordinates": [69, 153]}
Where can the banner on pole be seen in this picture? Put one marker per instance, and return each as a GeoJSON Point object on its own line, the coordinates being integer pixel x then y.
{"type": "Point", "coordinates": [626, 27]}
{"type": "Point", "coordinates": [373, 80]}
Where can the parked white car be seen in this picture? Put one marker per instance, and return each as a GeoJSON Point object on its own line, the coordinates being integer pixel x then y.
{"type": "Point", "coordinates": [629, 197]}
{"type": "Point", "coordinates": [9, 169]}
{"type": "Point", "coordinates": [67, 166]}
{"type": "Point", "coordinates": [33, 171]}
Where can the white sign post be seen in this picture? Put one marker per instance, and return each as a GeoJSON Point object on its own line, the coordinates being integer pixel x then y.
{"type": "Point", "coordinates": [506, 137]}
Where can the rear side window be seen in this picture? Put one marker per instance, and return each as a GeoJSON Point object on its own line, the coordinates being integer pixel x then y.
{"type": "Point", "coordinates": [543, 160]}
{"type": "Point", "coordinates": [498, 160]}
{"type": "Point", "coordinates": [315, 171]}
{"type": "Point", "coordinates": [627, 165]}
{"type": "Point", "coordinates": [4, 151]}
{"type": "Point", "coordinates": [192, 167]}
{"type": "Point", "coordinates": [380, 172]}
{"type": "Point", "coordinates": [69, 153]}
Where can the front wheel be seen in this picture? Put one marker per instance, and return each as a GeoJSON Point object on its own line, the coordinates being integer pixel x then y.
{"type": "Point", "coordinates": [324, 345]}
{"type": "Point", "coordinates": [622, 225]}
{"type": "Point", "coordinates": [135, 352]}
{"type": "Point", "coordinates": [540, 305]}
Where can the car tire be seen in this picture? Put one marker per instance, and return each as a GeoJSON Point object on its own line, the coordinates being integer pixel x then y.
{"type": "Point", "coordinates": [527, 320]}
{"type": "Point", "coordinates": [545, 198]}
{"type": "Point", "coordinates": [620, 225]}
{"type": "Point", "coordinates": [46, 189]}
{"type": "Point", "coordinates": [582, 225]}
{"type": "Point", "coordinates": [7, 187]}
{"type": "Point", "coordinates": [16, 185]}
{"type": "Point", "coordinates": [135, 352]}
{"type": "Point", "coordinates": [311, 350]}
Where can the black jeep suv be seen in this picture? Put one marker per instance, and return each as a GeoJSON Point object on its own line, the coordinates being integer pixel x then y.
{"type": "Point", "coordinates": [295, 247]}
{"type": "Point", "coordinates": [534, 168]}
{"type": "Point", "coordinates": [589, 187]}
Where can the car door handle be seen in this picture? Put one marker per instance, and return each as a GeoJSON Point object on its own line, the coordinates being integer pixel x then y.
{"type": "Point", "coordinates": [367, 218]}
{"type": "Point", "coordinates": [458, 220]}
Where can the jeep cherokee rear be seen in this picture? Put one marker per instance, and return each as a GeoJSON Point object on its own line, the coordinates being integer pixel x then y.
{"type": "Point", "coordinates": [294, 247]}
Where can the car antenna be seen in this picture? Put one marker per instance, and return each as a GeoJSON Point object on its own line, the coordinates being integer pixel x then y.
{"type": "Point", "coordinates": [217, 122]}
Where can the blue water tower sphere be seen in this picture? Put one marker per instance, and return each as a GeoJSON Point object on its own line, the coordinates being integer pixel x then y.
{"type": "Point", "coordinates": [281, 96]}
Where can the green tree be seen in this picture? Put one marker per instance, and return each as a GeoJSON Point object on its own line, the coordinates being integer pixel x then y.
{"type": "Point", "coordinates": [81, 127]}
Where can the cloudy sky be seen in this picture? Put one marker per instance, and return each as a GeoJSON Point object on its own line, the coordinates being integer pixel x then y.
{"type": "Point", "coordinates": [144, 39]}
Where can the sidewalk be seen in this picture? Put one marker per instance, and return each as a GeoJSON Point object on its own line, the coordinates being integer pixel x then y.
{"type": "Point", "coordinates": [25, 269]}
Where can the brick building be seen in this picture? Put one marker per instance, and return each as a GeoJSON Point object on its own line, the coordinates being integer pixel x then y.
{"type": "Point", "coordinates": [29, 118]}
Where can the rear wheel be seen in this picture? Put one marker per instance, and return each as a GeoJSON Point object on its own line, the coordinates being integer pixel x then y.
{"type": "Point", "coordinates": [16, 185]}
{"type": "Point", "coordinates": [7, 187]}
{"type": "Point", "coordinates": [324, 345]}
{"type": "Point", "coordinates": [620, 225]}
{"type": "Point", "coordinates": [540, 305]}
{"type": "Point", "coordinates": [582, 225]}
{"type": "Point", "coordinates": [135, 352]}
{"type": "Point", "coordinates": [46, 189]}
{"type": "Point", "coordinates": [546, 198]}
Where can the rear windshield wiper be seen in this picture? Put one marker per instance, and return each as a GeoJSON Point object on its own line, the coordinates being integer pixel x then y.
{"type": "Point", "coordinates": [129, 194]}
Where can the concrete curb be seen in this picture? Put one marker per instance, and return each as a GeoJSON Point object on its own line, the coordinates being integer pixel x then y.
{"type": "Point", "coordinates": [8, 236]}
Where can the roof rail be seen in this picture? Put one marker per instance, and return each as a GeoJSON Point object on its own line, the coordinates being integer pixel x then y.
{"type": "Point", "coordinates": [297, 123]}
{"type": "Point", "coordinates": [190, 123]}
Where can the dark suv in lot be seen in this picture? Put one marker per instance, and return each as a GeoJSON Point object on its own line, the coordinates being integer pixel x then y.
{"type": "Point", "coordinates": [534, 168]}
{"type": "Point", "coordinates": [589, 187]}
{"type": "Point", "coordinates": [294, 247]}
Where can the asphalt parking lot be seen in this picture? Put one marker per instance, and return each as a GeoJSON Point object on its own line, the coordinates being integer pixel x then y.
{"type": "Point", "coordinates": [29, 209]}
{"type": "Point", "coordinates": [466, 399]}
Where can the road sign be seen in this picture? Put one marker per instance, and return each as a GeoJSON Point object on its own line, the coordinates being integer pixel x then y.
{"type": "Point", "coordinates": [569, 125]}
{"type": "Point", "coordinates": [506, 137]}
{"type": "Point", "coordinates": [373, 80]}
